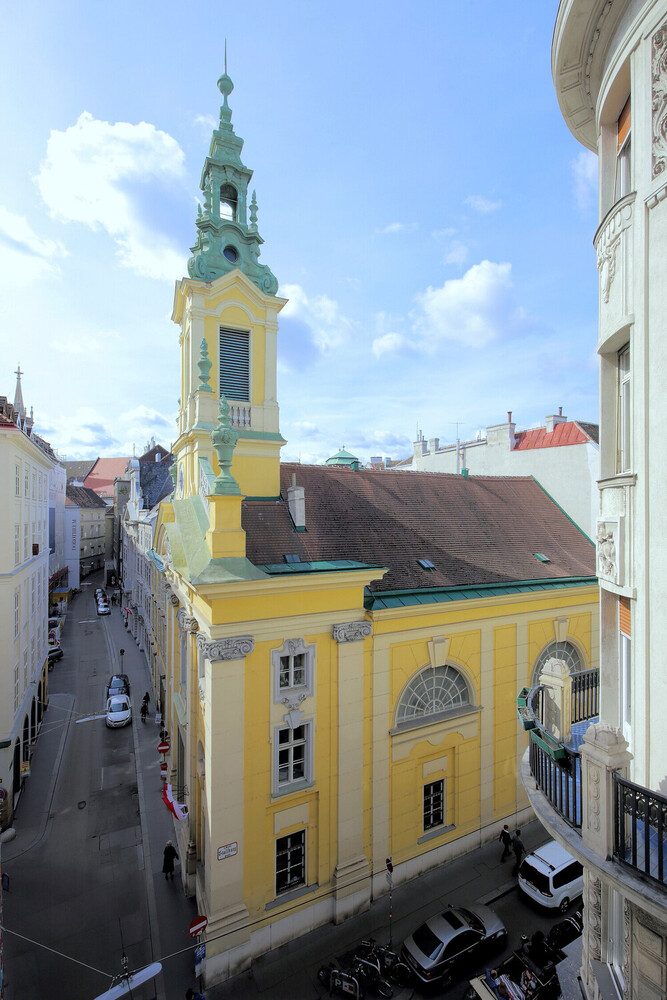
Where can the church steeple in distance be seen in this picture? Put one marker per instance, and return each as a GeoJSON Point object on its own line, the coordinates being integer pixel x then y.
{"type": "Point", "coordinates": [224, 238]}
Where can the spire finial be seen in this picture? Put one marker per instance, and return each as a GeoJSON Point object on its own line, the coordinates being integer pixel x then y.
{"type": "Point", "coordinates": [225, 55]}
{"type": "Point", "coordinates": [18, 395]}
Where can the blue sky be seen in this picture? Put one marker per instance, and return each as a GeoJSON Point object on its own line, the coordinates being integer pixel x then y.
{"type": "Point", "coordinates": [422, 203]}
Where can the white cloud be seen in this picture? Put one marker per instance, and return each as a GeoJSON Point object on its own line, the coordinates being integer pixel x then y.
{"type": "Point", "coordinates": [457, 253]}
{"type": "Point", "coordinates": [483, 205]}
{"type": "Point", "coordinates": [24, 256]}
{"type": "Point", "coordinates": [396, 227]}
{"type": "Point", "coordinates": [87, 177]}
{"type": "Point", "coordinates": [207, 123]}
{"type": "Point", "coordinates": [585, 177]}
{"type": "Point", "coordinates": [391, 343]}
{"type": "Point", "coordinates": [473, 310]}
{"type": "Point", "coordinates": [317, 317]}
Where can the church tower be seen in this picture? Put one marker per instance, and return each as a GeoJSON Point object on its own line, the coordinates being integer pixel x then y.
{"type": "Point", "coordinates": [227, 310]}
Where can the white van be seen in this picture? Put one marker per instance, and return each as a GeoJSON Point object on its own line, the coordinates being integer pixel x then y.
{"type": "Point", "coordinates": [551, 876]}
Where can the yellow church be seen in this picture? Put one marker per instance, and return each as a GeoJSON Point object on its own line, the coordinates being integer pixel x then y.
{"type": "Point", "coordinates": [339, 650]}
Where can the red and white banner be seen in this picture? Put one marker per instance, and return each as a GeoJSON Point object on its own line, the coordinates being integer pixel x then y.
{"type": "Point", "coordinates": [179, 809]}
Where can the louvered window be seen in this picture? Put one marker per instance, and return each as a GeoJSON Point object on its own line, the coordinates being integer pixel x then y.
{"type": "Point", "coordinates": [235, 364]}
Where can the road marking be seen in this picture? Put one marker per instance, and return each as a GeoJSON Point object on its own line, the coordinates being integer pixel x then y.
{"type": "Point", "coordinates": [88, 621]}
{"type": "Point", "coordinates": [91, 718]}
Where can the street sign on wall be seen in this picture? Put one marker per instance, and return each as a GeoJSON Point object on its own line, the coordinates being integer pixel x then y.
{"type": "Point", "coordinates": [228, 851]}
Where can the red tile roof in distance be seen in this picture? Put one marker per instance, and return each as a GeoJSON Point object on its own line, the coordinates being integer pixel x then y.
{"type": "Point", "coordinates": [562, 435]}
{"type": "Point", "coordinates": [482, 529]}
{"type": "Point", "coordinates": [101, 476]}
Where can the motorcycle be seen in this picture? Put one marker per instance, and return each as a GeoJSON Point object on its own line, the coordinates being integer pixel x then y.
{"type": "Point", "coordinates": [338, 981]}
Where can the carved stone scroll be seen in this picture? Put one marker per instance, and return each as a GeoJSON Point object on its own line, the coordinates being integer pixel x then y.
{"type": "Point", "coordinates": [233, 648]}
{"type": "Point", "coordinates": [352, 631]}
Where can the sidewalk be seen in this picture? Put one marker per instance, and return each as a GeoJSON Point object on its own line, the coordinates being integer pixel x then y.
{"type": "Point", "coordinates": [290, 972]}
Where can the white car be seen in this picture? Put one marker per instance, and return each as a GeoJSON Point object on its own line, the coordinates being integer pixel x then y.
{"type": "Point", "coordinates": [103, 608]}
{"type": "Point", "coordinates": [119, 711]}
{"type": "Point", "coordinates": [551, 877]}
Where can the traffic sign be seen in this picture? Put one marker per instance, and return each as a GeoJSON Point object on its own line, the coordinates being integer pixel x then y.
{"type": "Point", "coordinates": [163, 747]}
{"type": "Point", "coordinates": [198, 926]}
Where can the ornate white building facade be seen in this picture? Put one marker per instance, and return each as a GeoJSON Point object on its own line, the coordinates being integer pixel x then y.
{"type": "Point", "coordinates": [609, 62]}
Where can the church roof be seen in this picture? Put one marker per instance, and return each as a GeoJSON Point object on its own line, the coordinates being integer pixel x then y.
{"type": "Point", "coordinates": [483, 530]}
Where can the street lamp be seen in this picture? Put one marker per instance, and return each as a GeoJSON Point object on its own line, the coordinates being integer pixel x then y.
{"type": "Point", "coordinates": [122, 654]}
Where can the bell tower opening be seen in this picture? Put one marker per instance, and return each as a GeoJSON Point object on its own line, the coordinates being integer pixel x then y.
{"type": "Point", "coordinates": [229, 203]}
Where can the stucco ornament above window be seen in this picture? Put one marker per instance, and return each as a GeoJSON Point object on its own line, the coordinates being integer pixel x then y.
{"type": "Point", "coordinates": [659, 100]}
{"type": "Point", "coordinates": [433, 691]}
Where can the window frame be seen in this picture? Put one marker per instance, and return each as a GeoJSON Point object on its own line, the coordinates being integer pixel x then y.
{"type": "Point", "coordinates": [623, 410]}
{"type": "Point", "coordinates": [287, 847]}
{"type": "Point", "coordinates": [428, 807]}
{"type": "Point", "coordinates": [410, 698]}
{"type": "Point", "coordinates": [242, 364]}
{"type": "Point", "coordinates": [293, 784]}
{"type": "Point", "coordinates": [292, 648]}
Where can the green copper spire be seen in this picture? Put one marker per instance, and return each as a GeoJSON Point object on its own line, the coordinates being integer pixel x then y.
{"type": "Point", "coordinates": [224, 440]}
{"type": "Point", "coordinates": [224, 238]}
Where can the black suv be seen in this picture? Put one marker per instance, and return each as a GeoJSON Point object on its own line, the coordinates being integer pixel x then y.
{"type": "Point", "coordinates": [118, 684]}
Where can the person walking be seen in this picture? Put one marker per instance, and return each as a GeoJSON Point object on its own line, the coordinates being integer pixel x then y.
{"type": "Point", "coordinates": [144, 711]}
{"type": "Point", "coordinates": [505, 839]}
{"type": "Point", "coordinates": [168, 862]}
{"type": "Point", "coordinates": [519, 850]}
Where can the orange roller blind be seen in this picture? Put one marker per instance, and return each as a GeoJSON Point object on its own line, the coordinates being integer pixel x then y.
{"type": "Point", "coordinates": [623, 124]}
{"type": "Point", "coordinates": [624, 615]}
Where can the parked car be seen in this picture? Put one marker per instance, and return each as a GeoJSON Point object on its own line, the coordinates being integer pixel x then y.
{"type": "Point", "coordinates": [118, 684]}
{"type": "Point", "coordinates": [119, 711]}
{"type": "Point", "coordinates": [103, 608]}
{"type": "Point", "coordinates": [448, 940]}
{"type": "Point", "coordinates": [551, 877]}
{"type": "Point", "coordinates": [55, 653]}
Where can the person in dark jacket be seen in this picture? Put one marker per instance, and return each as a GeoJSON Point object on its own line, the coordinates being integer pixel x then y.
{"type": "Point", "coordinates": [506, 840]}
{"type": "Point", "coordinates": [519, 850]}
{"type": "Point", "coordinates": [168, 862]}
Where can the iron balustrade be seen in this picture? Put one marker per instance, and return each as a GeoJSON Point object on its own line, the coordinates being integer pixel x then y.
{"type": "Point", "coordinates": [585, 694]}
{"type": "Point", "coordinates": [559, 779]}
{"type": "Point", "coordinates": [640, 829]}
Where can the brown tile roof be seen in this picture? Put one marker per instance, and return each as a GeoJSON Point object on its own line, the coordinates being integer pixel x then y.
{"type": "Point", "coordinates": [101, 476]}
{"type": "Point", "coordinates": [483, 529]}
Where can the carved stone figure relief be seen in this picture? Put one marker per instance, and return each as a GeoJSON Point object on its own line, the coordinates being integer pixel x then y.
{"type": "Point", "coordinates": [608, 550]}
{"type": "Point", "coordinates": [659, 101]}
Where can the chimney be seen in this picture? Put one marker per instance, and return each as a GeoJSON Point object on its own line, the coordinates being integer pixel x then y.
{"type": "Point", "coordinates": [553, 419]}
{"type": "Point", "coordinates": [296, 501]}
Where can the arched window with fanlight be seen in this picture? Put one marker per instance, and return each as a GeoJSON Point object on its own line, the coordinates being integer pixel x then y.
{"type": "Point", "coordinates": [229, 202]}
{"type": "Point", "coordinates": [433, 692]}
{"type": "Point", "coordinates": [558, 651]}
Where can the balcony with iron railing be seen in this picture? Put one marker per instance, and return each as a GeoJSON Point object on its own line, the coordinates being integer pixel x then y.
{"type": "Point", "coordinates": [556, 713]}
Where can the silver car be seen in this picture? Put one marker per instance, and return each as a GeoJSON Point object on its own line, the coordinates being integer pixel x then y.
{"type": "Point", "coordinates": [439, 946]}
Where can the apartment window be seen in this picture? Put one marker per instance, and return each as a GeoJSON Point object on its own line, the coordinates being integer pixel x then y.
{"type": "Point", "coordinates": [17, 544]}
{"type": "Point", "coordinates": [25, 669]}
{"type": "Point", "coordinates": [234, 364]}
{"type": "Point", "coordinates": [26, 483]}
{"type": "Point", "coordinates": [623, 184]}
{"type": "Point", "coordinates": [290, 861]}
{"type": "Point", "coordinates": [16, 687]}
{"type": "Point", "coordinates": [293, 669]}
{"type": "Point", "coordinates": [17, 612]}
{"type": "Point", "coordinates": [17, 481]}
{"type": "Point", "coordinates": [293, 750]}
{"type": "Point", "coordinates": [623, 411]}
{"type": "Point", "coordinates": [434, 804]}
{"type": "Point", "coordinates": [26, 540]}
{"type": "Point", "coordinates": [625, 665]}
{"type": "Point", "coordinates": [32, 594]}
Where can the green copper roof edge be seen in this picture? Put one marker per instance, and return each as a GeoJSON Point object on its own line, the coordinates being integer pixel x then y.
{"type": "Point", "coordinates": [546, 492]}
{"type": "Point", "coordinates": [261, 436]}
{"type": "Point", "coordinates": [320, 566]}
{"type": "Point", "coordinates": [551, 583]}
{"type": "Point", "coordinates": [265, 499]}
{"type": "Point", "coordinates": [154, 557]}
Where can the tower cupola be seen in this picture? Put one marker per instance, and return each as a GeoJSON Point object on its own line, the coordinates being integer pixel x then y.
{"type": "Point", "coordinates": [225, 240]}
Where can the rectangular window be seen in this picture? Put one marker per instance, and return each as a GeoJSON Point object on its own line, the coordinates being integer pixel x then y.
{"type": "Point", "coordinates": [623, 411]}
{"type": "Point", "coordinates": [26, 540]}
{"type": "Point", "coordinates": [625, 664]}
{"type": "Point", "coordinates": [623, 184]}
{"type": "Point", "coordinates": [235, 364]}
{"type": "Point", "coordinates": [16, 687]}
{"type": "Point", "coordinates": [434, 804]}
{"type": "Point", "coordinates": [26, 483]}
{"type": "Point", "coordinates": [293, 670]}
{"type": "Point", "coordinates": [17, 482]}
{"type": "Point", "coordinates": [25, 669]}
{"type": "Point", "coordinates": [17, 612]}
{"type": "Point", "coordinates": [293, 752]}
{"type": "Point", "coordinates": [290, 861]}
{"type": "Point", "coordinates": [17, 544]}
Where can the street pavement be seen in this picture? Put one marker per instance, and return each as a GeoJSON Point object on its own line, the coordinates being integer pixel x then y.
{"type": "Point", "coordinates": [63, 903]}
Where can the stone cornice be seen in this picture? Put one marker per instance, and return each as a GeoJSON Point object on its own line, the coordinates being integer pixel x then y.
{"type": "Point", "coordinates": [352, 631]}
